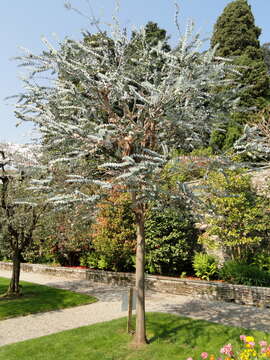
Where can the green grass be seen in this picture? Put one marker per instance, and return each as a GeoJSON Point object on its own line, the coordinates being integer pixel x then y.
{"type": "Point", "coordinates": [38, 298]}
{"type": "Point", "coordinates": [171, 338]}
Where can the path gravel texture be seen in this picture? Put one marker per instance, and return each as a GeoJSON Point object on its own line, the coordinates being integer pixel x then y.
{"type": "Point", "coordinates": [109, 307]}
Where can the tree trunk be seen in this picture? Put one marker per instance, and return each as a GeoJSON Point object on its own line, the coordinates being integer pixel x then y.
{"type": "Point", "coordinates": [140, 336]}
{"type": "Point", "coordinates": [14, 288]}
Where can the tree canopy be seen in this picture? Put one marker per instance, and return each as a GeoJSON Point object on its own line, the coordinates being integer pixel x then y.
{"type": "Point", "coordinates": [235, 30]}
{"type": "Point", "coordinates": [120, 113]}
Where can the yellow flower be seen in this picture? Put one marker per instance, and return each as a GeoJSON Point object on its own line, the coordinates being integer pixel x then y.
{"type": "Point", "coordinates": [211, 357]}
{"type": "Point", "coordinates": [249, 339]}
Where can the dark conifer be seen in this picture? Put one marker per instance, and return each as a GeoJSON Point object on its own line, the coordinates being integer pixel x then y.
{"type": "Point", "coordinates": [237, 37]}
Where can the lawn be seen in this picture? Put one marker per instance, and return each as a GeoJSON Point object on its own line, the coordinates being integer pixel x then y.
{"type": "Point", "coordinates": [171, 338]}
{"type": "Point", "coordinates": [38, 298]}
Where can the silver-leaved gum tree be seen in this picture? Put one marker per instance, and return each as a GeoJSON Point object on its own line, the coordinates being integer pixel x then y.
{"type": "Point", "coordinates": [119, 106]}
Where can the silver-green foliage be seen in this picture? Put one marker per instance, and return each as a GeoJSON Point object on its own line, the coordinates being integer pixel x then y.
{"type": "Point", "coordinates": [120, 106]}
{"type": "Point", "coordinates": [254, 143]}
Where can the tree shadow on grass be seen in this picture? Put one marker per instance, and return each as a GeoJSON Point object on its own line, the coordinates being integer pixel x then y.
{"type": "Point", "coordinates": [191, 333]}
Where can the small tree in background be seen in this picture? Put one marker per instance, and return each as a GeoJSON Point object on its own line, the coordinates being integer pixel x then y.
{"type": "Point", "coordinates": [171, 240]}
{"type": "Point", "coordinates": [114, 234]}
{"type": "Point", "coordinates": [122, 114]}
{"type": "Point", "coordinates": [241, 220]}
{"type": "Point", "coordinates": [20, 213]}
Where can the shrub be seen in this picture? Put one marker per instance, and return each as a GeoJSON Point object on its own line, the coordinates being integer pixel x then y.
{"type": "Point", "coordinates": [171, 240]}
{"type": "Point", "coordinates": [205, 266]}
{"type": "Point", "coordinates": [62, 238]}
{"type": "Point", "coordinates": [262, 260]}
{"type": "Point", "coordinates": [244, 274]}
{"type": "Point", "coordinates": [240, 219]}
{"type": "Point", "coordinates": [114, 235]}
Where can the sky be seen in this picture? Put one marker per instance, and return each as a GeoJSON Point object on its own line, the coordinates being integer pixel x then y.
{"type": "Point", "coordinates": [24, 22]}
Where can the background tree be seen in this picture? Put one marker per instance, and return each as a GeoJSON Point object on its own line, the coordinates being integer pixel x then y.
{"type": "Point", "coordinates": [241, 216]}
{"type": "Point", "coordinates": [61, 238]}
{"type": "Point", "coordinates": [153, 35]}
{"type": "Point", "coordinates": [121, 120]}
{"type": "Point", "coordinates": [171, 240]}
{"type": "Point", "coordinates": [237, 38]}
{"type": "Point", "coordinates": [20, 214]}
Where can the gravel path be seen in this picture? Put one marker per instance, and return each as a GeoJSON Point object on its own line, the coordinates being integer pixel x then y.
{"type": "Point", "coordinates": [109, 307]}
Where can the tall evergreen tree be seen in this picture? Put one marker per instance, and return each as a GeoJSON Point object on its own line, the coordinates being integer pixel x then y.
{"type": "Point", "coordinates": [237, 38]}
{"type": "Point", "coordinates": [154, 34]}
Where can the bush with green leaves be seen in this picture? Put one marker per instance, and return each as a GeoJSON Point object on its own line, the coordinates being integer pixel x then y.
{"type": "Point", "coordinates": [205, 266]}
{"type": "Point", "coordinates": [186, 166]}
{"type": "Point", "coordinates": [262, 260]}
{"type": "Point", "coordinates": [244, 274]}
{"type": "Point", "coordinates": [239, 215]}
{"type": "Point", "coordinates": [114, 235]}
{"type": "Point", "coordinates": [171, 240]}
{"type": "Point", "coordinates": [62, 238]}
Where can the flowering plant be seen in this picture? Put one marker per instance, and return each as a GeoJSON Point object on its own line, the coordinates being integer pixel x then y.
{"type": "Point", "coordinates": [250, 351]}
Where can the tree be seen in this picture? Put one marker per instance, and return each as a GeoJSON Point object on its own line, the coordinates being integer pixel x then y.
{"type": "Point", "coordinates": [171, 240]}
{"type": "Point", "coordinates": [153, 35]}
{"type": "Point", "coordinates": [241, 216]}
{"type": "Point", "coordinates": [123, 121]}
{"type": "Point", "coordinates": [237, 38]}
{"type": "Point", "coordinates": [20, 214]}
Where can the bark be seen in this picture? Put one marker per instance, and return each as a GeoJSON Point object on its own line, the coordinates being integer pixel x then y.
{"type": "Point", "coordinates": [14, 287]}
{"type": "Point", "coordinates": [140, 336]}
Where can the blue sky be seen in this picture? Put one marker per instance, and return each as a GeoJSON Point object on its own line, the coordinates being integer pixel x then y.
{"type": "Point", "coordinates": [24, 22]}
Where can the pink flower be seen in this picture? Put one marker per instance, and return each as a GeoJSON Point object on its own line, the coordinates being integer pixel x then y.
{"type": "Point", "coordinates": [263, 350]}
{"type": "Point", "coordinates": [243, 337]}
{"type": "Point", "coordinates": [204, 355]}
{"type": "Point", "coordinates": [190, 358]}
{"type": "Point", "coordinates": [227, 350]}
{"type": "Point", "coordinates": [263, 343]}
{"type": "Point", "coordinates": [251, 343]}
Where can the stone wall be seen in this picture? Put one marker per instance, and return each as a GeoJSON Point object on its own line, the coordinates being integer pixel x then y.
{"type": "Point", "coordinates": [210, 290]}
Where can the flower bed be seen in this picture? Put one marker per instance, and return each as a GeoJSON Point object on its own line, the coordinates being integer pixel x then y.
{"type": "Point", "coordinates": [249, 351]}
